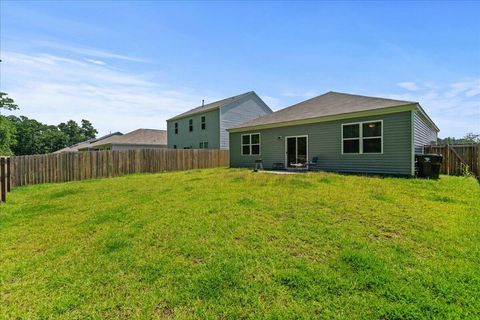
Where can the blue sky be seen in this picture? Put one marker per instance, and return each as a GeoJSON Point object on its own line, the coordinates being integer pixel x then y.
{"type": "Point", "coordinates": [128, 65]}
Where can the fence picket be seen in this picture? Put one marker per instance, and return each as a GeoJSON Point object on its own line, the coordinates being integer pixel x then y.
{"type": "Point", "coordinates": [456, 158]}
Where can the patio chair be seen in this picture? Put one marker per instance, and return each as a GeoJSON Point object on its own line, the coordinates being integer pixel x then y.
{"type": "Point", "coordinates": [258, 165]}
{"type": "Point", "coordinates": [312, 165]}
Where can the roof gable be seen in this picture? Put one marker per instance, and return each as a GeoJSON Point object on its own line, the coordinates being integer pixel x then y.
{"type": "Point", "coordinates": [211, 106]}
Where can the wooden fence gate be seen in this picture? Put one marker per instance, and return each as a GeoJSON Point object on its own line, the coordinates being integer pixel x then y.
{"type": "Point", "coordinates": [457, 159]}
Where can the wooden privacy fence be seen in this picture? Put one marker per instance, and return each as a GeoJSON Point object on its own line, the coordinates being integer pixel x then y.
{"type": "Point", "coordinates": [456, 158]}
{"type": "Point", "coordinates": [63, 167]}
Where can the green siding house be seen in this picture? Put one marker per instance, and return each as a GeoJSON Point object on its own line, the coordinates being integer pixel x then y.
{"type": "Point", "coordinates": [338, 132]}
{"type": "Point", "coordinates": [205, 127]}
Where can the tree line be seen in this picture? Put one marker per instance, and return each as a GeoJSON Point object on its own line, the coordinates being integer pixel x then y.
{"type": "Point", "coordinates": [469, 138]}
{"type": "Point", "coordinates": [23, 136]}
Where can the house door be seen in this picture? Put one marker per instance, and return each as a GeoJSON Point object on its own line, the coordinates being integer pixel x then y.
{"type": "Point", "coordinates": [296, 150]}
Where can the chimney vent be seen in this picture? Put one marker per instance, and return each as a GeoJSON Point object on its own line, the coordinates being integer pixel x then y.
{"type": "Point", "coordinates": [203, 103]}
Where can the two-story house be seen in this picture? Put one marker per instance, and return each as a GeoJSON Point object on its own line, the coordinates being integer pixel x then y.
{"type": "Point", "coordinates": [205, 127]}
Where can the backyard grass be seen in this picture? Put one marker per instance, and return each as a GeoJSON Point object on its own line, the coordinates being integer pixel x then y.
{"type": "Point", "coordinates": [232, 244]}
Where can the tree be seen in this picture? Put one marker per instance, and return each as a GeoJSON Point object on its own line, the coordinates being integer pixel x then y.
{"type": "Point", "coordinates": [88, 131]}
{"type": "Point", "coordinates": [471, 138]}
{"type": "Point", "coordinates": [7, 128]}
{"type": "Point", "coordinates": [34, 137]}
{"type": "Point", "coordinates": [7, 136]}
{"type": "Point", "coordinates": [7, 102]}
{"type": "Point", "coordinates": [76, 133]}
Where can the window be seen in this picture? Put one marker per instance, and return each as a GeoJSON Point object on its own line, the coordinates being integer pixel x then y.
{"type": "Point", "coordinates": [362, 137]}
{"type": "Point", "coordinates": [176, 127]}
{"type": "Point", "coordinates": [251, 144]}
{"type": "Point", "coordinates": [351, 138]}
{"type": "Point", "coordinates": [190, 125]}
{"type": "Point", "coordinates": [372, 137]}
{"type": "Point", "coordinates": [200, 145]}
{"type": "Point", "coordinates": [203, 123]}
{"type": "Point", "coordinates": [203, 145]}
{"type": "Point", "coordinates": [174, 146]}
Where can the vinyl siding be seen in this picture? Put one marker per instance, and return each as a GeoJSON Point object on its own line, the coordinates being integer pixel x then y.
{"type": "Point", "coordinates": [187, 139]}
{"type": "Point", "coordinates": [238, 112]}
{"type": "Point", "coordinates": [324, 142]}
{"type": "Point", "coordinates": [423, 134]}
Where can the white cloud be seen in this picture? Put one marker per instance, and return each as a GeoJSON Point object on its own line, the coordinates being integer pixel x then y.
{"type": "Point", "coordinates": [301, 94]}
{"type": "Point", "coordinates": [53, 89]}
{"type": "Point", "coordinates": [272, 102]}
{"type": "Point", "coordinates": [411, 86]}
{"type": "Point", "coordinates": [95, 61]}
{"type": "Point", "coordinates": [455, 107]}
{"type": "Point", "coordinates": [82, 50]}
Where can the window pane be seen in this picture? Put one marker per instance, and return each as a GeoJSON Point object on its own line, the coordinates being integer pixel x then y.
{"type": "Point", "coordinates": [246, 139]}
{"type": "Point", "coordinates": [372, 145]}
{"type": "Point", "coordinates": [255, 149]}
{"type": "Point", "coordinates": [255, 138]}
{"type": "Point", "coordinates": [201, 145]}
{"type": "Point", "coordinates": [372, 129]}
{"type": "Point", "coordinates": [351, 146]}
{"type": "Point", "coordinates": [246, 150]}
{"type": "Point", "coordinates": [205, 145]}
{"type": "Point", "coordinates": [351, 131]}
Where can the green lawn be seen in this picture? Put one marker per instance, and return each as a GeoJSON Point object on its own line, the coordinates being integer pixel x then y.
{"type": "Point", "coordinates": [229, 243]}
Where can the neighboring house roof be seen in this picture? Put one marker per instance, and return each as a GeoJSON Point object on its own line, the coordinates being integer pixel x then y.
{"type": "Point", "coordinates": [325, 105]}
{"type": "Point", "coordinates": [85, 144]}
{"type": "Point", "coordinates": [211, 106]}
{"type": "Point", "coordinates": [137, 137]}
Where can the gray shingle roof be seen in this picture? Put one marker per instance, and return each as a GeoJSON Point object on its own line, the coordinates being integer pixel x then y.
{"type": "Point", "coordinates": [328, 104]}
{"type": "Point", "coordinates": [139, 136]}
{"type": "Point", "coordinates": [210, 106]}
{"type": "Point", "coordinates": [85, 144]}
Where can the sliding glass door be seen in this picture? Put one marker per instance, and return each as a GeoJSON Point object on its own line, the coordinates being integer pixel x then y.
{"type": "Point", "coordinates": [296, 150]}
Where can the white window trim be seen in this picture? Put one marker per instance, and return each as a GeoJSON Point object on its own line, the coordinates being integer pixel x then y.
{"type": "Point", "coordinates": [203, 122]}
{"type": "Point", "coordinates": [296, 151]}
{"type": "Point", "coordinates": [251, 144]}
{"type": "Point", "coordinates": [361, 138]}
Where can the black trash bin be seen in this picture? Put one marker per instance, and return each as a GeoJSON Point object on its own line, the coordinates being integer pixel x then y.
{"type": "Point", "coordinates": [429, 165]}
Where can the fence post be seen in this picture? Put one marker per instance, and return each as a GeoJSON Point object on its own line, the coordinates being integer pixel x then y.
{"type": "Point", "coordinates": [9, 174]}
{"type": "Point", "coordinates": [478, 159]}
{"type": "Point", "coordinates": [3, 187]}
{"type": "Point", "coordinates": [448, 158]}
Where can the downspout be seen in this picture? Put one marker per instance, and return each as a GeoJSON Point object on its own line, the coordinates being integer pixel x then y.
{"type": "Point", "coordinates": [412, 144]}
